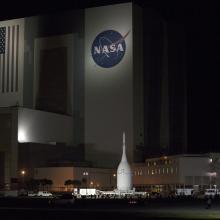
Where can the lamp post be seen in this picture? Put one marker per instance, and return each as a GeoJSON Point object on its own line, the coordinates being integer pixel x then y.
{"type": "Point", "coordinates": [86, 174]}
{"type": "Point", "coordinates": [112, 180]}
{"type": "Point", "coordinates": [23, 173]}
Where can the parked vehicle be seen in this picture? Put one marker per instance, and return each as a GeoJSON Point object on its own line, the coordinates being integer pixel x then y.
{"type": "Point", "coordinates": [40, 193]}
{"type": "Point", "coordinates": [31, 193]}
{"type": "Point", "coordinates": [184, 192]}
{"type": "Point", "coordinates": [211, 193]}
{"type": "Point", "coordinates": [44, 193]}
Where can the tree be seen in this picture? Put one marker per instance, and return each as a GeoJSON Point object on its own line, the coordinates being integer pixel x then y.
{"type": "Point", "coordinates": [46, 183]}
{"type": "Point", "coordinates": [68, 183]}
{"type": "Point", "coordinates": [76, 183]}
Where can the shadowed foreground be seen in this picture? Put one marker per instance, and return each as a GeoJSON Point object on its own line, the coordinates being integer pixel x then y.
{"type": "Point", "coordinates": [149, 209]}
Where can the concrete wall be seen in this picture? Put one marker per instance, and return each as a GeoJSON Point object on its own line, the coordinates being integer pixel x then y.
{"type": "Point", "coordinates": [57, 174]}
{"type": "Point", "coordinates": [60, 30]}
{"type": "Point", "coordinates": [190, 167]}
{"type": "Point", "coordinates": [44, 127]}
{"type": "Point", "coordinates": [108, 91]}
{"type": "Point", "coordinates": [185, 170]}
{"type": "Point", "coordinates": [96, 177]}
{"type": "Point", "coordinates": [8, 143]}
{"type": "Point", "coordinates": [151, 175]}
{"type": "Point", "coordinates": [138, 84]}
{"type": "Point", "coordinates": [45, 26]}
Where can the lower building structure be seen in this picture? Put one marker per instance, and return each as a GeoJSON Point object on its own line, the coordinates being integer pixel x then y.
{"type": "Point", "coordinates": [31, 138]}
{"type": "Point", "coordinates": [67, 178]}
{"type": "Point", "coordinates": [165, 174]}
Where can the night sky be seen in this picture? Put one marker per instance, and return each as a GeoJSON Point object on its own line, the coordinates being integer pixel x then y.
{"type": "Point", "coordinates": [202, 30]}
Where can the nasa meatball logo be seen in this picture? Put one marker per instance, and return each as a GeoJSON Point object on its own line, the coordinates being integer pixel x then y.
{"type": "Point", "coordinates": [108, 48]}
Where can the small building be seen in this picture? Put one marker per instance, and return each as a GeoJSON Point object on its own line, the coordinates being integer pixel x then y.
{"type": "Point", "coordinates": [99, 178]}
{"type": "Point", "coordinates": [178, 171]}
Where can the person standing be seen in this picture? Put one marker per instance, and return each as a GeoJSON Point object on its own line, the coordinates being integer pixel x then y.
{"type": "Point", "coordinates": [209, 203]}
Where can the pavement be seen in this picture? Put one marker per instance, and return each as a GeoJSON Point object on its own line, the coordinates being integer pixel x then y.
{"type": "Point", "coordinates": [151, 209]}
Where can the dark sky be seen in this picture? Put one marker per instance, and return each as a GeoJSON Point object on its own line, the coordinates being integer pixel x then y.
{"type": "Point", "coordinates": [201, 23]}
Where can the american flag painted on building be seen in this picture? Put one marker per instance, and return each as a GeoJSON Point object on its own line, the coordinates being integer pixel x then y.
{"type": "Point", "coordinates": [9, 58]}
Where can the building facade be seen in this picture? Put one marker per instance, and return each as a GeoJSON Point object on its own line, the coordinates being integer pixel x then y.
{"type": "Point", "coordinates": [21, 130]}
{"type": "Point", "coordinates": [178, 171]}
{"type": "Point", "coordinates": [99, 178]}
{"type": "Point", "coordinates": [59, 90]}
{"type": "Point", "coordinates": [82, 77]}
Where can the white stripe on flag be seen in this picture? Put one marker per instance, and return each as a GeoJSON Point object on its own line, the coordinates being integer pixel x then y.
{"type": "Point", "coordinates": [5, 61]}
{"type": "Point", "coordinates": [9, 61]}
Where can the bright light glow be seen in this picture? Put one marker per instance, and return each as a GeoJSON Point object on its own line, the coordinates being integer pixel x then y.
{"type": "Point", "coordinates": [114, 175]}
{"type": "Point", "coordinates": [23, 172]}
{"type": "Point", "coordinates": [85, 173]}
{"type": "Point", "coordinates": [210, 160]}
{"type": "Point", "coordinates": [212, 173]}
{"type": "Point", "coordinates": [22, 136]}
{"type": "Point", "coordinates": [91, 183]}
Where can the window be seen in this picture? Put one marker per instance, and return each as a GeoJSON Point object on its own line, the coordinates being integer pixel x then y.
{"type": "Point", "coordinates": [167, 170]}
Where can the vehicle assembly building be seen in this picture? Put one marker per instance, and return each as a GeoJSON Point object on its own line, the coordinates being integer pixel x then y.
{"type": "Point", "coordinates": [72, 82]}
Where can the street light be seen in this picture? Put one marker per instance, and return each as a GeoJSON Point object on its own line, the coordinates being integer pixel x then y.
{"type": "Point", "coordinates": [112, 178]}
{"type": "Point", "coordinates": [23, 173]}
{"type": "Point", "coordinates": [86, 174]}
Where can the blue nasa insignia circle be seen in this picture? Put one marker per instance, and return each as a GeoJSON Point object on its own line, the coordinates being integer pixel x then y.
{"type": "Point", "coordinates": [108, 48]}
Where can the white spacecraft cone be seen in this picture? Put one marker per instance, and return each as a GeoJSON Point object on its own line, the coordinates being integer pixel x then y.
{"type": "Point", "coordinates": [124, 175]}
